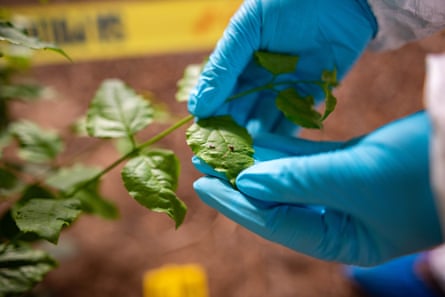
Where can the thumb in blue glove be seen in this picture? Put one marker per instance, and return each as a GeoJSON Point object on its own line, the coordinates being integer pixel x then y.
{"type": "Point", "coordinates": [325, 34]}
{"type": "Point", "coordinates": [361, 202]}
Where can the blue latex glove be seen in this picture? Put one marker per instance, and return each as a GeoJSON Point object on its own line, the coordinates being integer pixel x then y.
{"type": "Point", "coordinates": [325, 34]}
{"type": "Point", "coordinates": [359, 202]}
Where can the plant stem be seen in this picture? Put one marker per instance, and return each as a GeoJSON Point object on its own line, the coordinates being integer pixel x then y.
{"type": "Point", "coordinates": [147, 143]}
{"type": "Point", "coordinates": [164, 133]}
{"type": "Point", "coordinates": [271, 86]}
{"type": "Point", "coordinates": [298, 82]}
{"type": "Point", "coordinates": [250, 91]}
{"type": "Point", "coordinates": [132, 141]}
{"type": "Point", "coordinates": [268, 86]}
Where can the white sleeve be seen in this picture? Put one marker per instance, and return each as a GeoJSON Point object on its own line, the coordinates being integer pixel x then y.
{"type": "Point", "coordinates": [402, 21]}
{"type": "Point", "coordinates": [435, 103]}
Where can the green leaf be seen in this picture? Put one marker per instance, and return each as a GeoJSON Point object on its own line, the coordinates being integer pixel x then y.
{"type": "Point", "coordinates": [117, 111]}
{"type": "Point", "coordinates": [276, 63]}
{"type": "Point", "coordinates": [46, 217]}
{"type": "Point", "coordinates": [329, 80]}
{"type": "Point", "coordinates": [8, 227]}
{"type": "Point", "coordinates": [93, 203]}
{"type": "Point", "coordinates": [152, 180]}
{"type": "Point", "coordinates": [330, 104]}
{"type": "Point", "coordinates": [5, 140]}
{"type": "Point", "coordinates": [188, 82]}
{"type": "Point", "coordinates": [14, 35]}
{"type": "Point", "coordinates": [36, 145]}
{"type": "Point", "coordinates": [9, 183]}
{"type": "Point", "coordinates": [18, 59]}
{"type": "Point", "coordinates": [33, 191]}
{"type": "Point", "coordinates": [67, 178]}
{"type": "Point", "coordinates": [299, 110]}
{"type": "Point", "coordinates": [4, 122]}
{"type": "Point", "coordinates": [79, 127]}
{"type": "Point", "coordinates": [22, 91]}
{"type": "Point", "coordinates": [21, 268]}
{"type": "Point", "coordinates": [222, 144]}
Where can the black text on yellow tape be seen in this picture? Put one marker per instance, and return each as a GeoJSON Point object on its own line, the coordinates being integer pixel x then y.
{"type": "Point", "coordinates": [88, 31]}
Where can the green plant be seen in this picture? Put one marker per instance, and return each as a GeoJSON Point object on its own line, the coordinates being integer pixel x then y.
{"type": "Point", "coordinates": [42, 197]}
{"type": "Point", "coordinates": [21, 265]}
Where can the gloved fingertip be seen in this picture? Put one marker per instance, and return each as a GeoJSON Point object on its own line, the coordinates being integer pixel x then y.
{"type": "Point", "coordinates": [198, 185]}
{"type": "Point", "coordinates": [253, 181]}
{"type": "Point", "coordinates": [195, 106]}
{"type": "Point", "coordinates": [201, 187]}
{"type": "Point", "coordinates": [191, 105]}
{"type": "Point", "coordinates": [214, 192]}
{"type": "Point", "coordinates": [195, 159]}
{"type": "Point", "coordinates": [208, 96]}
{"type": "Point", "coordinates": [206, 169]}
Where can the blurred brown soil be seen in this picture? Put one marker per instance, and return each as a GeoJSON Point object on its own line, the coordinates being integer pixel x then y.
{"type": "Point", "coordinates": [108, 258]}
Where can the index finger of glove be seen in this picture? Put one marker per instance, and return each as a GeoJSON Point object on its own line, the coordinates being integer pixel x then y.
{"type": "Point", "coordinates": [231, 55]}
{"type": "Point", "coordinates": [321, 179]}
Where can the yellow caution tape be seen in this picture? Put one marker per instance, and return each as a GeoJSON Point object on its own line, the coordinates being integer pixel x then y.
{"type": "Point", "coordinates": [176, 281]}
{"type": "Point", "coordinates": [101, 30]}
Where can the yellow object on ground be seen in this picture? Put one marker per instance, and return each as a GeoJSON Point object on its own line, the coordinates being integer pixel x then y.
{"type": "Point", "coordinates": [176, 281]}
{"type": "Point", "coordinates": [100, 30]}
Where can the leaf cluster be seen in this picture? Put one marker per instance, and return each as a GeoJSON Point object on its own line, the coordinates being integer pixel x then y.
{"type": "Point", "coordinates": [227, 147]}
{"type": "Point", "coordinates": [150, 176]}
{"type": "Point", "coordinates": [25, 219]}
{"type": "Point", "coordinates": [299, 109]}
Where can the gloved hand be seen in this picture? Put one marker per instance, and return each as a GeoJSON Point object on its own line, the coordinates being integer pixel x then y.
{"type": "Point", "coordinates": [360, 202]}
{"type": "Point", "coordinates": [325, 34]}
